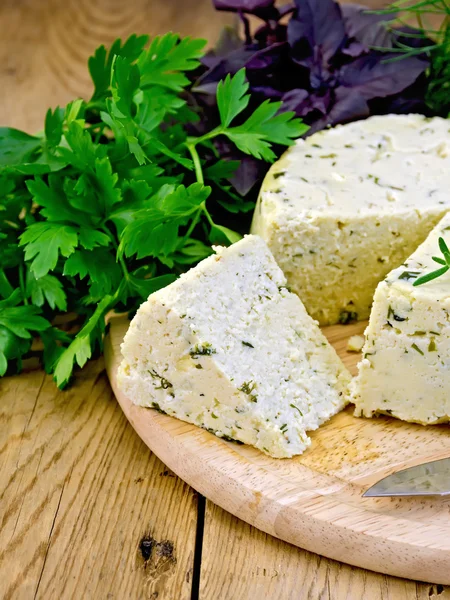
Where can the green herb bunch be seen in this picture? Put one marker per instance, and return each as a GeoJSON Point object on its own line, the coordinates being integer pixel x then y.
{"type": "Point", "coordinates": [432, 17]}
{"type": "Point", "coordinates": [115, 198]}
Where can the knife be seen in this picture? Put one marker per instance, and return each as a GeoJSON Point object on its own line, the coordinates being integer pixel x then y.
{"type": "Point", "coordinates": [429, 479]}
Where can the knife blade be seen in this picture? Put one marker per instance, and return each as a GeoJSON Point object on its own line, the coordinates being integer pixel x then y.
{"type": "Point", "coordinates": [429, 479]}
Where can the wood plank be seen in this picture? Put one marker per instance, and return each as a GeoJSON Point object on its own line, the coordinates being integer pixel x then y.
{"type": "Point", "coordinates": [242, 562]}
{"type": "Point", "coordinates": [79, 493]}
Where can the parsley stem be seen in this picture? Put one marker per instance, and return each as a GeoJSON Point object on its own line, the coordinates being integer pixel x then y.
{"type": "Point", "coordinates": [197, 164]}
{"type": "Point", "coordinates": [191, 146]}
{"type": "Point", "coordinates": [207, 136]}
{"type": "Point", "coordinates": [120, 258]}
{"type": "Point", "coordinates": [193, 224]}
{"type": "Point", "coordinates": [124, 267]}
{"type": "Point", "coordinates": [208, 216]}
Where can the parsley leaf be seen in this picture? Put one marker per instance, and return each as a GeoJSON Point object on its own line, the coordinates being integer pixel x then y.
{"type": "Point", "coordinates": [46, 289]}
{"type": "Point", "coordinates": [11, 347]}
{"type": "Point", "coordinates": [167, 59]}
{"type": "Point", "coordinates": [99, 265]}
{"type": "Point", "coordinates": [21, 320]}
{"type": "Point", "coordinates": [100, 64]}
{"type": "Point", "coordinates": [44, 242]}
{"type": "Point", "coordinates": [232, 97]}
{"type": "Point", "coordinates": [80, 349]}
{"type": "Point", "coordinates": [154, 231]}
{"type": "Point", "coordinates": [264, 128]}
{"type": "Point", "coordinates": [16, 147]}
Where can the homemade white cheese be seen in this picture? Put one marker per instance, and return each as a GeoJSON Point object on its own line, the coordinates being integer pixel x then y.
{"type": "Point", "coordinates": [405, 371]}
{"type": "Point", "coordinates": [342, 208]}
{"type": "Point", "coordinates": [229, 348]}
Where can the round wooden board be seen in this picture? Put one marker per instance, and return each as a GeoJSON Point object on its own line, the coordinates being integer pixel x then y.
{"type": "Point", "coordinates": [314, 501]}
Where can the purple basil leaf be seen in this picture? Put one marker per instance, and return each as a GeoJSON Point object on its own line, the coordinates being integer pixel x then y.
{"type": "Point", "coordinates": [264, 9]}
{"type": "Point", "coordinates": [248, 174]}
{"type": "Point", "coordinates": [320, 23]}
{"type": "Point", "coordinates": [228, 42]}
{"type": "Point", "coordinates": [250, 170]}
{"type": "Point", "coordinates": [267, 59]}
{"type": "Point", "coordinates": [411, 100]}
{"type": "Point", "coordinates": [375, 75]}
{"type": "Point", "coordinates": [228, 64]}
{"type": "Point", "coordinates": [296, 100]}
{"type": "Point", "coordinates": [270, 34]}
{"type": "Point", "coordinates": [348, 105]}
{"type": "Point", "coordinates": [303, 102]}
{"type": "Point", "coordinates": [266, 92]}
{"type": "Point", "coordinates": [248, 6]}
{"type": "Point", "coordinates": [271, 72]}
{"type": "Point", "coordinates": [367, 28]}
{"type": "Point", "coordinates": [354, 49]}
{"type": "Point", "coordinates": [286, 9]}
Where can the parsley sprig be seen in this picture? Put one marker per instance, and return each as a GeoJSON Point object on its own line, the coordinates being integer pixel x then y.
{"type": "Point", "coordinates": [117, 196]}
{"type": "Point", "coordinates": [445, 261]}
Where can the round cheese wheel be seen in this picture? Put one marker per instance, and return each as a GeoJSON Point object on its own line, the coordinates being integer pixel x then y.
{"type": "Point", "coordinates": [342, 208]}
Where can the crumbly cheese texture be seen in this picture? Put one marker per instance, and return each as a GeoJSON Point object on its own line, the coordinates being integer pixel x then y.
{"type": "Point", "coordinates": [342, 208]}
{"type": "Point", "coordinates": [355, 343]}
{"type": "Point", "coordinates": [229, 348]}
{"type": "Point", "coordinates": [405, 371]}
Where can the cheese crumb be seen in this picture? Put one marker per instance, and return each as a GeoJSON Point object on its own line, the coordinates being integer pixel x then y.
{"type": "Point", "coordinates": [355, 343]}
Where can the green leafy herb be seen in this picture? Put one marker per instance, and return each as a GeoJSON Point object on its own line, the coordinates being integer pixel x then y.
{"type": "Point", "coordinates": [431, 38]}
{"type": "Point", "coordinates": [116, 197]}
{"type": "Point", "coordinates": [441, 261]}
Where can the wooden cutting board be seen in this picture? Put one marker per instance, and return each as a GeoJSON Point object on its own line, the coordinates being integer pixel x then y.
{"type": "Point", "coordinates": [314, 501]}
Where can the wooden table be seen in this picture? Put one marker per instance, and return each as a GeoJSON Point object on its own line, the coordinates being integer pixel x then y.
{"type": "Point", "coordinates": [87, 511]}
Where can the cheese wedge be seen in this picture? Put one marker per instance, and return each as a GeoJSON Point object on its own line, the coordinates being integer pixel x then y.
{"type": "Point", "coordinates": [229, 348]}
{"type": "Point", "coordinates": [342, 208]}
{"type": "Point", "coordinates": [405, 371]}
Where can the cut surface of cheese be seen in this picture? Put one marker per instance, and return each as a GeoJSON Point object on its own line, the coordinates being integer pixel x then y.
{"type": "Point", "coordinates": [229, 348]}
{"type": "Point", "coordinates": [342, 208]}
{"type": "Point", "coordinates": [405, 371]}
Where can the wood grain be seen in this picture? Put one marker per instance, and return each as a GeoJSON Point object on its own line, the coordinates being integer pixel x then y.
{"type": "Point", "coordinates": [45, 45]}
{"type": "Point", "coordinates": [314, 500]}
{"type": "Point", "coordinates": [242, 562]}
{"type": "Point", "coordinates": [79, 493]}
